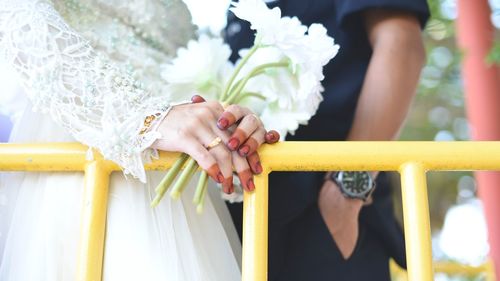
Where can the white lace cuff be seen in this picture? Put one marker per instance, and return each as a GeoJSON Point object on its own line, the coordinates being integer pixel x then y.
{"type": "Point", "coordinates": [129, 148]}
{"type": "Point", "coordinates": [133, 160]}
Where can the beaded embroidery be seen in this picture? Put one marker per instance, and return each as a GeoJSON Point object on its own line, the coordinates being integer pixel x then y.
{"type": "Point", "coordinates": [99, 77]}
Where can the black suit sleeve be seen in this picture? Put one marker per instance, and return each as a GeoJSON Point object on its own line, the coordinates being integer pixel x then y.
{"type": "Point", "coordinates": [348, 10]}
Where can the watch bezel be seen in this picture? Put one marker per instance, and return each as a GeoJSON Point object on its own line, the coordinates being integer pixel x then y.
{"type": "Point", "coordinates": [337, 177]}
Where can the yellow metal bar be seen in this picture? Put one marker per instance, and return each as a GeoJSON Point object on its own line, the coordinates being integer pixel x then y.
{"type": "Point", "coordinates": [50, 157]}
{"type": "Point", "coordinates": [286, 156]}
{"type": "Point", "coordinates": [254, 264]}
{"type": "Point", "coordinates": [490, 272]}
{"type": "Point", "coordinates": [93, 222]}
{"type": "Point", "coordinates": [449, 268]}
{"type": "Point", "coordinates": [42, 157]}
{"type": "Point", "coordinates": [416, 222]}
{"type": "Point", "coordinates": [380, 156]}
{"type": "Point", "coordinates": [453, 268]}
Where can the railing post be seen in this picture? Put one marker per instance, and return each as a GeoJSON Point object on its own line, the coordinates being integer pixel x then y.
{"type": "Point", "coordinates": [255, 210]}
{"type": "Point", "coordinates": [93, 222]}
{"type": "Point", "coordinates": [490, 271]}
{"type": "Point", "coordinates": [416, 222]}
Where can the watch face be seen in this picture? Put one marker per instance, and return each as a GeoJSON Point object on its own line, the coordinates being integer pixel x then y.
{"type": "Point", "coordinates": [355, 184]}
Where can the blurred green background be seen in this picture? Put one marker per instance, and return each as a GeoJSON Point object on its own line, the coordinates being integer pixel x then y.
{"type": "Point", "coordinates": [438, 110]}
{"type": "Point", "coordinates": [438, 113]}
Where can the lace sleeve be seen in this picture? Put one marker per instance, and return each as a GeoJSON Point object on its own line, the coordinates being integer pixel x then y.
{"type": "Point", "coordinates": [101, 106]}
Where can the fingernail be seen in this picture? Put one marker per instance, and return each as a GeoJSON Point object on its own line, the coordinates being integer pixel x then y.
{"type": "Point", "coordinates": [251, 185]}
{"type": "Point", "coordinates": [222, 123]}
{"type": "Point", "coordinates": [228, 184]}
{"type": "Point", "coordinates": [244, 150]}
{"type": "Point", "coordinates": [271, 137]}
{"type": "Point", "coordinates": [258, 168]}
{"type": "Point", "coordinates": [220, 178]}
{"type": "Point", "coordinates": [233, 143]}
{"type": "Point", "coordinates": [197, 99]}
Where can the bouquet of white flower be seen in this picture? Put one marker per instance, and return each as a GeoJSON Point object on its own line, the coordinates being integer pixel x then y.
{"type": "Point", "coordinates": [279, 78]}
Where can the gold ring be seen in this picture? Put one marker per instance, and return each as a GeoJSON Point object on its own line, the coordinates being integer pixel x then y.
{"type": "Point", "coordinates": [214, 143]}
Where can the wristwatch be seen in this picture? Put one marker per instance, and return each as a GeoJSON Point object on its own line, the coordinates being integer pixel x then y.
{"type": "Point", "coordinates": [356, 185]}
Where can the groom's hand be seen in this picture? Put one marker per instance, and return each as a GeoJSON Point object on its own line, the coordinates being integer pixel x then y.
{"type": "Point", "coordinates": [341, 217]}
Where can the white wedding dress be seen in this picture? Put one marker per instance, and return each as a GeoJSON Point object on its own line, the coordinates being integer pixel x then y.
{"type": "Point", "coordinates": [91, 71]}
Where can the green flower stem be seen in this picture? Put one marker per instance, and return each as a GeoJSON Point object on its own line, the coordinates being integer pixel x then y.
{"type": "Point", "coordinates": [168, 179]}
{"type": "Point", "coordinates": [199, 207]}
{"type": "Point", "coordinates": [232, 92]}
{"type": "Point", "coordinates": [239, 81]}
{"type": "Point", "coordinates": [236, 85]}
{"type": "Point", "coordinates": [199, 188]}
{"type": "Point", "coordinates": [249, 94]}
{"type": "Point", "coordinates": [184, 178]}
{"type": "Point", "coordinates": [257, 70]}
{"type": "Point", "coordinates": [237, 70]}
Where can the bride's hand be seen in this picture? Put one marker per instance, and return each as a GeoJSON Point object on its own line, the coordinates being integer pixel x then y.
{"type": "Point", "coordinates": [190, 129]}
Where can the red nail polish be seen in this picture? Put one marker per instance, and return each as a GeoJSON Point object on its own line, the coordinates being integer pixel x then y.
{"type": "Point", "coordinates": [251, 185]}
{"type": "Point", "coordinates": [244, 150]}
{"type": "Point", "coordinates": [197, 99]}
{"type": "Point", "coordinates": [272, 137]}
{"type": "Point", "coordinates": [222, 123]}
{"type": "Point", "coordinates": [233, 143]}
{"type": "Point", "coordinates": [258, 168]}
{"type": "Point", "coordinates": [228, 185]}
{"type": "Point", "coordinates": [220, 178]}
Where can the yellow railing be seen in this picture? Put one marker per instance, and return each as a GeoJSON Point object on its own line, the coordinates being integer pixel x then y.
{"type": "Point", "coordinates": [484, 270]}
{"type": "Point", "coordinates": [411, 159]}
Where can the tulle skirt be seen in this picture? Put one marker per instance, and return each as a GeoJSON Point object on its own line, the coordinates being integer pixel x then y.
{"type": "Point", "coordinates": [40, 222]}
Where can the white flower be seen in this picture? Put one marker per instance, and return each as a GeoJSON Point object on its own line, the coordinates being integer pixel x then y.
{"type": "Point", "coordinates": [320, 43]}
{"type": "Point", "coordinates": [277, 83]}
{"type": "Point", "coordinates": [288, 120]}
{"type": "Point", "coordinates": [309, 86]}
{"type": "Point", "coordinates": [292, 97]}
{"type": "Point", "coordinates": [312, 50]}
{"type": "Point", "coordinates": [285, 96]}
{"type": "Point", "coordinates": [292, 100]}
{"type": "Point", "coordinates": [284, 84]}
{"type": "Point", "coordinates": [261, 18]}
{"type": "Point", "coordinates": [202, 67]}
{"type": "Point", "coordinates": [271, 28]}
{"type": "Point", "coordinates": [321, 49]}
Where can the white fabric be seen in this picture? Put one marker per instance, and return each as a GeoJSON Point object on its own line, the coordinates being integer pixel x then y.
{"type": "Point", "coordinates": [91, 70]}
{"type": "Point", "coordinates": [88, 84]}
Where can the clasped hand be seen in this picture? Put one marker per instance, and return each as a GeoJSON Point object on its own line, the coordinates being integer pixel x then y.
{"type": "Point", "coordinates": [195, 128]}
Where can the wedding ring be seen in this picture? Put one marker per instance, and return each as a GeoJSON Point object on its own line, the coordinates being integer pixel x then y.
{"type": "Point", "coordinates": [214, 143]}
